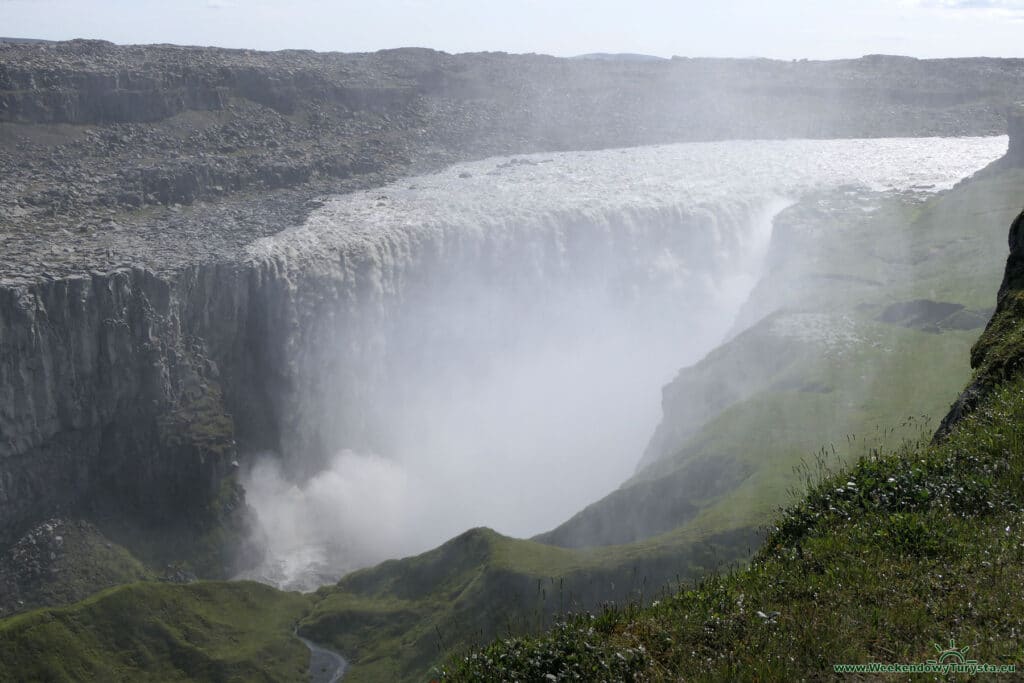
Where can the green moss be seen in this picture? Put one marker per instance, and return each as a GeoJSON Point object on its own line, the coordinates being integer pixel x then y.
{"type": "Point", "coordinates": [200, 422]}
{"type": "Point", "coordinates": [209, 543]}
{"type": "Point", "coordinates": [1000, 350]}
{"type": "Point", "coordinates": [212, 631]}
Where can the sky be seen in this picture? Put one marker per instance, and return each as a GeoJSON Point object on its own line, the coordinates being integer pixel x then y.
{"type": "Point", "coordinates": [782, 29]}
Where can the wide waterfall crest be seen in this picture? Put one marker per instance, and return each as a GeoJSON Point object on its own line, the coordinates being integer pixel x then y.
{"type": "Point", "coordinates": [536, 190]}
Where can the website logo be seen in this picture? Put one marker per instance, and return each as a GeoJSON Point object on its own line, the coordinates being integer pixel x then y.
{"type": "Point", "coordinates": [950, 660]}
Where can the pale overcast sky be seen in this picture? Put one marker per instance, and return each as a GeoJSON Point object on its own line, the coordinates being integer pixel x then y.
{"type": "Point", "coordinates": [784, 29]}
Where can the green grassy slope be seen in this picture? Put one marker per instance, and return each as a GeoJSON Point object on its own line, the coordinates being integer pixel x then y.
{"type": "Point", "coordinates": [884, 562]}
{"type": "Point", "coordinates": [880, 563]}
{"type": "Point", "coordinates": [395, 621]}
{"type": "Point", "coordinates": [206, 631]}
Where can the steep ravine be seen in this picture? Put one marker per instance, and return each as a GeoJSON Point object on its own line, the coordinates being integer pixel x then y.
{"type": "Point", "coordinates": [125, 392]}
{"type": "Point", "coordinates": [925, 537]}
{"type": "Point", "coordinates": [832, 553]}
{"type": "Point", "coordinates": [139, 341]}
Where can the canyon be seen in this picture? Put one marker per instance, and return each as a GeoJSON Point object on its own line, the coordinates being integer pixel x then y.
{"type": "Point", "coordinates": [228, 273]}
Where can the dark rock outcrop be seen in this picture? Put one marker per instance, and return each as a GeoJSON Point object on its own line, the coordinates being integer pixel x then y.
{"type": "Point", "coordinates": [933, 316]}
{"type": "Point", "coordinates": [996, 355]}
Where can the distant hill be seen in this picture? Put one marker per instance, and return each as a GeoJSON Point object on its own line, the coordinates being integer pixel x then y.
{"type": "Point", "coordinates": [24, 40]}
{"type": "Point", "coordinates": [620, 57]}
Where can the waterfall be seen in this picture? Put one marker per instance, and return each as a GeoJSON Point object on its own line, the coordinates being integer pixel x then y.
{"type": "Point", "coordinates": [486, 345]}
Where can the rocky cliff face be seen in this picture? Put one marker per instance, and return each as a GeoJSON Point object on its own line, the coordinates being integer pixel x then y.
{"type": "Point", "coordinates": [109, 397]}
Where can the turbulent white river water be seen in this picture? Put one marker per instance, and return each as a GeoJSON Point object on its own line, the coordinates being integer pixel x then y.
{"type": "Point", "coordinates": [504, 328]}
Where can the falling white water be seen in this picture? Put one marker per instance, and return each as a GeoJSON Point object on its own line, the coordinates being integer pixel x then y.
{"type": "Point", "coordinates": [486, 345]}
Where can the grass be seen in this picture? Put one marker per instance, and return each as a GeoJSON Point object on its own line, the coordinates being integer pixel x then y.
{"type": "Point", "coordinates": [860, 402]}
{"type": "Point", "coordinates": [397, 620]}
{"type": "Point", "coordinates": [206, 631]}
{"type": "Point", "coordinates": [877, 563]}
{"type": "Point", "coordinates": [886, 560]}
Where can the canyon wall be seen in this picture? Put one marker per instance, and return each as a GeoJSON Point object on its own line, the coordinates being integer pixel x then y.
{"type": "Point", "coordinates": [109, 397]}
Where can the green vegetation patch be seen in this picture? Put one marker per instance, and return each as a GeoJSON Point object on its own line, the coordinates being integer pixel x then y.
{"type": "Point", "coordinates": [206, 631]}
{"type": "Point", "coordinates": [397, 621]}
{"type": "Point", "coordinates": [878, 563]}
